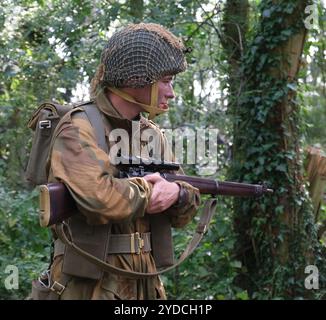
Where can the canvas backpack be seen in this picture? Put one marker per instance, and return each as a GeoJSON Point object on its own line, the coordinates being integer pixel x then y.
{"type": "Point", "coordinates": [43, 122]}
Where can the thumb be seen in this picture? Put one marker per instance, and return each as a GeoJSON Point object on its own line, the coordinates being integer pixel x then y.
{"type": "Point", "coordinates": [153, 177]}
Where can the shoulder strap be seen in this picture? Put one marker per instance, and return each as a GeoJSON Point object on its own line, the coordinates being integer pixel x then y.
{"type": "Point", "coordinates": [95, 118]}
{"type": "Point", "coordinates": [202, 226]}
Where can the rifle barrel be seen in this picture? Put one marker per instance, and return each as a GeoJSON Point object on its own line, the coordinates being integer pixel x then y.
{"type": "Point", "coordinates": [225, 188]}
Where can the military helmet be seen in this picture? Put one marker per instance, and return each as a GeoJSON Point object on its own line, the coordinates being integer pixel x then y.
{"type": "Point", "coordinates": [140, 54]}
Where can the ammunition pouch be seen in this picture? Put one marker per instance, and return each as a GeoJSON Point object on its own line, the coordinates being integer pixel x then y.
{"type": "Point", "coordinates": [88, 259]}
{"type": "Point", "coordinates": [44, 289]}
{"type": "Point", "coordinates": [99, 242]}
{"type": "Point", "coordinates": [162, 242]}
{"type": "Point", "coordinates": [92, 239]}
{"type": "Point", "coordinates": [40, 292]}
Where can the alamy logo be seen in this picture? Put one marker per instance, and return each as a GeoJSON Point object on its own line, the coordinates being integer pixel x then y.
{"type": "Point", "coordinates": [189, 146]}
{"type": "Point", "coordinates": [312, 281]}
{"type": "Point", "coordinates": [11, 281]}
{"type": "Point", "coordinates": [311, 21]}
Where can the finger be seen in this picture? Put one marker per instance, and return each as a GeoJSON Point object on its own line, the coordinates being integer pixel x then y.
{"type": "Point", "coordinates": [156, 207]}
{"type": "Point", "coordinates": [154, 210]}
{"type": "Point", "coordinates": [153, 206]}
{"type": "Point", "coordinates": [153, 177]}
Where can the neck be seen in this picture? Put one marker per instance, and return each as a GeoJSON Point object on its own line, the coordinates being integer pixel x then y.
{"type": "Point", "coordinates": [127, 109]}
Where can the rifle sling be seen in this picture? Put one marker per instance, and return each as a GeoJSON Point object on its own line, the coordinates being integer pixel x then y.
{"type": "Point", "coordinates": [202, 227]}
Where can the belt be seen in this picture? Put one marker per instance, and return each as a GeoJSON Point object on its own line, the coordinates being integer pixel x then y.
{"type": "Point", "coordinates": [130, 243]}
{"type": "Point", "coordinates": [118, 243]}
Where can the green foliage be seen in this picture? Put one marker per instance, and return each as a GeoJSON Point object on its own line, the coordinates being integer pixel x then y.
{"type": "Point", "coordinates": [210, 272]}
{"type": "Point", "coordinates": [313, 93]}
{"type": "Point", "coordinates": [22, 242]}
{"type": "Point", "coordinates": [50, 50]}
{"type": "Point", "coordinates": [322, 217]}
{"type": "Point", "coordinates": [278, 230]}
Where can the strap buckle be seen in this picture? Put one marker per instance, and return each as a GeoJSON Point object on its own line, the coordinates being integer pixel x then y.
{"type": "Point", "coordinates": [58, 288]}
{"type": "Point", "coordinates": [136, 243]}
{"type": "Point", "coordinates": [44, 124]}
{"type": "Point", "coordinates": [44, 278]}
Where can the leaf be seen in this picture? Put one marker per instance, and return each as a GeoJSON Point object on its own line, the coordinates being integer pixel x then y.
{"type": "Point", "coordinates": [278, 94]}
{"type": "Point", "coordinates": [11, 70]}
{"type": "Point", "coordinates": [289, 9]}
{"type": "Point", "coordinates": [267, 13]}
{"type": "Point", "coordinates": [282, 167]}
{"type": "Point", "coordinates": [279, 209]}
{"type": "Point", "coordinates": [242, 295]}
{"type": "Point", "coordinates": [293, 86]}
{"type": "Point", "coordinates": [257, 100]}
{"type": "Point", "coordinates": [259, 39]}
{"type": "Point", "coordinates": [41, 2]}
{"type": "Point", "coordinates": [286, 33]}
{"type": "Point", "coordinates": [236, 264]}
{"type": "Point", "coordinates": [254, 49]}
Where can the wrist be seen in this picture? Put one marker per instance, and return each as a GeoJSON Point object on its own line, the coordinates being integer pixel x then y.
{"type": "Point", "coordinates": [182, 197]}
{"type": "Point", "coordinates": [178, 193]}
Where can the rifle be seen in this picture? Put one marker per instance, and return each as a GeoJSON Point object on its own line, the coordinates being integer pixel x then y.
{"type": "Point", "coordinates": [57, 204]}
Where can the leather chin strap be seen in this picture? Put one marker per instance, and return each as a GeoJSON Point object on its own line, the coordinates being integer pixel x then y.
{"type": "Point", "coordinates": [152, 109]}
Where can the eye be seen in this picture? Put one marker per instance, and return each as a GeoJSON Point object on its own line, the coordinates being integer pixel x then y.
{"type": "Point", "coordinates": [167, 79]}
{"type": "Point", "coordinates": [168, 82]}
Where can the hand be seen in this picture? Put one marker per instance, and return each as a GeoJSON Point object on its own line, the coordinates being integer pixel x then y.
{"type": "Point", "coordinates": [164, 193]}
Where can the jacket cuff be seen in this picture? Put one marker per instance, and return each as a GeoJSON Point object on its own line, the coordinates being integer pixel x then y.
{"type": "Point", "coordinates": [183, 197]}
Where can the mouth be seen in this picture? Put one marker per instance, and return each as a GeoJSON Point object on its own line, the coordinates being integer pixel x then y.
{"type": "Point", "coordinates": [163, 106]}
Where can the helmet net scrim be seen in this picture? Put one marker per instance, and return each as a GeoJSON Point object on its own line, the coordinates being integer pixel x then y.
{"type": "Point", "coordinates": [138, 55]}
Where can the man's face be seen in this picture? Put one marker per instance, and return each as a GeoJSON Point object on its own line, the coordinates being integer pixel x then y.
{"type": "Point", "coordinates": [165, 92]}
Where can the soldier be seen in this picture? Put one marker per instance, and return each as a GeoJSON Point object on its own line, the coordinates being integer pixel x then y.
{"type": "Point", "coordinates": [135, 75]}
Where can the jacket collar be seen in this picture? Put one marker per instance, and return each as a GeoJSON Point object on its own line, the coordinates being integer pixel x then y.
{"type": "Point", "coordinates": [108, 109]}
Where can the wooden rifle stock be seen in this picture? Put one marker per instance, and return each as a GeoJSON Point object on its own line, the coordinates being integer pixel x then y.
{"type": "Point", "coordinates": [57, 204]}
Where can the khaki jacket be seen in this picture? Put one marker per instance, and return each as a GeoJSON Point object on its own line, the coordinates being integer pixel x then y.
{"type": "Point", "coordinates": [102, 197]}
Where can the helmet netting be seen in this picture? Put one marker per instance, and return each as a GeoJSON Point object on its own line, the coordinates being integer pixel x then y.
{"type": "Point", "coordinates": [138, 55]}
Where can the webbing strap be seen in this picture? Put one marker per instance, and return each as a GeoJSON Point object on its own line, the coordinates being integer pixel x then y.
{"type": "Point", "coordinates": [152, 109]}
{"type": "Point", "coordinates": [58, 288]}
{"type": "Point", "coordinates": [202, 226]}
{"type": "Point", "coordinates": [95, 118]}
{"type": "Point", "coordinates": [129, 243]}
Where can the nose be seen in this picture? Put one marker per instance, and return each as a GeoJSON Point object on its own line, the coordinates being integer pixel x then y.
{"type": "Point", "coordinates": [170, 92]}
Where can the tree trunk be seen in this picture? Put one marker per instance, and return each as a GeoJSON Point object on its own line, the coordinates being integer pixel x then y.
{"type": "Point", "coordinates": [276, 235]}
{"type": "Point", "coordinates": [137, 10]}
{"type": "Point", "coordinates": [235, 25]}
